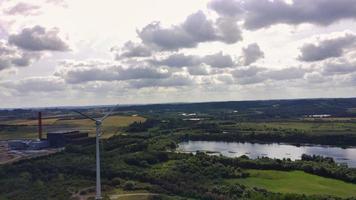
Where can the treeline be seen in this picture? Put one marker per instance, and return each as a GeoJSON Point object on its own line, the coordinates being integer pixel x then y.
{"type": "Point", "coordinates": [216, 134]}
{"type": "Point", "coordinates": [267, 109]}
{"type": "Point", "coordinates": [143, 162]}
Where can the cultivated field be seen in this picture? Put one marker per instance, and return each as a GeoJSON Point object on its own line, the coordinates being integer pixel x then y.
{"type": "Point", "coordinates": [22, 128]}
{"type": "Point", "coordinates": [313, 127]}
{"type": "Point", "coordinates": [297, 182]}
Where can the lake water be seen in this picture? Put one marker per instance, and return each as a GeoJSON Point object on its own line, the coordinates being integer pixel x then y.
{"type": "Point", "coordinates": [273, 150]}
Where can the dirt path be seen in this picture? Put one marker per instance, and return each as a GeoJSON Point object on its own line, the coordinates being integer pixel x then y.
{"type": "Point", "coordinates": [132, 194]}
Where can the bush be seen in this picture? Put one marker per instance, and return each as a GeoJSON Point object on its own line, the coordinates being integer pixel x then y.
{"type": "Point", "coordinates": [129, 185]}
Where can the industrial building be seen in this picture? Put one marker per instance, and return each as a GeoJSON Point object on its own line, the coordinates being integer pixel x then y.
{"type": "Point", "coordinates": [54, 139]}
{"type": "Point", "coordinates": [62, 138]}
{"type": "Point", "coordinates": [28, 144]}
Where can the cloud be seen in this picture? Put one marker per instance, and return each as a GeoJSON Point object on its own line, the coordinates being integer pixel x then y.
{"type": "Point", "coordinates": [253, 74]}
{"type": "Point", "coordinates": [131, 50]}
{"type": "Point", "coordinates": [81, 72]}
{"type": "Point", "coordinates": [36, 84]}
{"type": "Point", "coordinates": [315, 77]}
{"type": "Point", "coordinates": [23, 9]}
{"type": "Point", "coordinates": [176, 80]}
{"type": "Point", "coordinates": [11, 56]}
{"type": "Point", "coordinates": [289, 73]}
{"type": "Point", "coordinates": [249, 75]}
{"type": "Point", "coordinates": [218, 60]}
{"type": "Point", "coordinates": [179, 60]}
{"type": "Point", "coordinates": [194, 30]}
{"type": "Point", "coordinates": [337, 67]}
{"type": "Point", "coordinates": [264, 13]}
{"type": "Point", "coordinates": [251, 54]}
{"type": "Point", "coordinates": [200, 70]}
{"type": "Point", "coordinates": [61, 3]}
{"type": "Point", "coordinates": [331, 47]}
{"type": "Point", "coordinates": [38, 38]}
{"type": "Point", "coordinates": [247, 71]}
{"type": "Point", "coordinates": [230, 8]}
{"type": "Point", "coordinates": [228, 30]}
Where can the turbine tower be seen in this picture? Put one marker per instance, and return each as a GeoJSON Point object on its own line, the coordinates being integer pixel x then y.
{"type": "Point", "coordinates": [98, 124]}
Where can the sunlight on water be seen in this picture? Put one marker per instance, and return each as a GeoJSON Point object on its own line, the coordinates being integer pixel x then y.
{"type": "Point", "coordinates": [273, 150]}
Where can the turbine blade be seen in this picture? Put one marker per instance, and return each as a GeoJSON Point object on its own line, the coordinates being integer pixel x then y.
{"type": "Point", "coordinates": [86, 116]}
{"type": "Point", "coordinates": [109, 113]}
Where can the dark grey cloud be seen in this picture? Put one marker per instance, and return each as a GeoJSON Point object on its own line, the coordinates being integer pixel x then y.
{"type": "Point", "coordinates": [219, 60]}
{"type": "Point", "coordinates": [251, 54]}
{"type": "Point", "coordinates": [131, 50]}
{"type": "Point", "coordinates": [264, 13]}
{"type": "Point", "coordinates": [93, 71]}
{"type": "Point", "coordinates": [194, 30]}
{"type": "Point", "coordinates": [23, 9]}
{"type": "Point", "coordinates": [11, 56]}
{"type": "Point", "coordinates": [39, 38]}
{"type": "Point", "coordinates": [327, 48]}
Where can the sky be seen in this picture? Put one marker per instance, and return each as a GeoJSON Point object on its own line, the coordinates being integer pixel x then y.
{"type": "Point", "coordinates": [75, 52]}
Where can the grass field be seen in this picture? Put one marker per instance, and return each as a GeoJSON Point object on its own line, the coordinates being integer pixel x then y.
{"type": "Point", "coordinates": [30, 122]}
{"type": "Point", "coordinates": [304, 126]}
{"type": "Point", "coordinates": [296, 182]}
{"type": "Point", "coordinates": [28, 128]}
{"type": "Point", "coordinates": [19, 132]}
{"type": "Point", "coordinates": [111, 125]}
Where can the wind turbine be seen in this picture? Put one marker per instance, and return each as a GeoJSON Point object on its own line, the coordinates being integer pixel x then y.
{"type": "Point", "coordinates": [98, 124]}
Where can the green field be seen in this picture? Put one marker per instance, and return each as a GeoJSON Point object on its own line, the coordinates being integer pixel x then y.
{"type": "Point", "coordinates": [111, 125]}
{"type": "Point", "coordinates": [313, 127]}
{"type": "Point", "coordinates": [296, 182]}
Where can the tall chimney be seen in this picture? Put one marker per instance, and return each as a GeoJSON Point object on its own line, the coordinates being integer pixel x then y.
{"type": "Point", "coordinates": [40, 125]}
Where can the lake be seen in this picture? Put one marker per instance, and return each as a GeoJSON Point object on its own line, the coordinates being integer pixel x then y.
{"type": "Point", "coordinates": [272, 150]}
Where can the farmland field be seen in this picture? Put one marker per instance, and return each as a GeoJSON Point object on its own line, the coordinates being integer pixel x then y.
{"type": "Point", "coordinates": [312, 127]}
{"type": "Point", "coordinates": [23, 128]}
{"type": "Point", "coordinates": [30, 122]}
{"type": "Point", "coordinates": [296, 182]}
